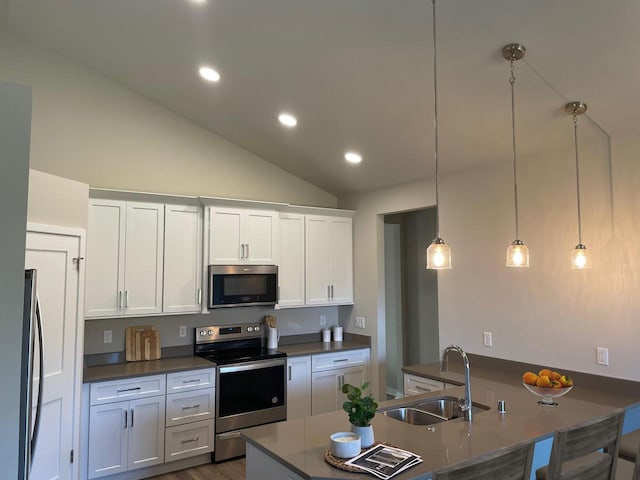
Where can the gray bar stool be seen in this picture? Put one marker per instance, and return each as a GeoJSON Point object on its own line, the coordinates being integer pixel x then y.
{"type": "Point", "coordinates": [509, 463]}
{"type": "Point", "coordinates": [575, 452]}
{"type": "Point", "coordinates": [629, 452]}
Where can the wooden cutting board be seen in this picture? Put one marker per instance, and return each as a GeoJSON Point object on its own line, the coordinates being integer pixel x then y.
{"type": "Point", "coordinates": [142, 342]}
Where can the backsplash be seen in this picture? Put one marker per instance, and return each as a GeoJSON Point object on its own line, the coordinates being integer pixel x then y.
{"type": "Point", "coordinates": [296, 321]}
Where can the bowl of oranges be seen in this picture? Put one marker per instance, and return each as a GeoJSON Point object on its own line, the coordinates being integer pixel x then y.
{"type": "Point", "coordinates": [547, 384]}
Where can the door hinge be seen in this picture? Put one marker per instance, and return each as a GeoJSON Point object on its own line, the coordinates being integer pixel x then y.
{"type": "Point", "coordinates": [71, 456]}
{"type": "Point", "coordinates": [77, 260]}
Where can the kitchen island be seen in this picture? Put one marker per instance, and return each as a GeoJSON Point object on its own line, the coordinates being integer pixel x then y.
{"type": "Point", "coordinates": [295, 449]}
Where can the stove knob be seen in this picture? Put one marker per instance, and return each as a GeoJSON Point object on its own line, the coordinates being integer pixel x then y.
{"type": "Point", "coordinates": [209, 332]}
{"type": "Point", "coordinates": [256, 328]}
{"type": "Point", "coordinates": [202, 333]}
{"type": "Point", "coordinates": [249, 329]}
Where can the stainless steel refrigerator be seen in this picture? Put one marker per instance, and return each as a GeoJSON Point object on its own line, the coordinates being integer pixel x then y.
{"type": "Point", "coordinates": [31, 347]}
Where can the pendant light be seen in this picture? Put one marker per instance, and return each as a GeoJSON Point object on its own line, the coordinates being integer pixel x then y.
{"type": "Point", "coordinates": [438, 253]}
{"type": "Point", "coordinates": [517, 252]}
{"type": "Point", "coordinates": [580, 256]}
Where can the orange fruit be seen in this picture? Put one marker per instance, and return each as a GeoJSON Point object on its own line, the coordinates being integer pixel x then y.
{"type": "Point", "coordinates": [529, 378]}
{"type": "Point", "coordinates": [555, 376]}
{"type": "Point", "coordinates": [566, 381]}
{"type": "Point", "coordinates": [543, 381]}
{"type": "Point", "coordinates": [545, 372]}
{"type": "Point", "coordinates": [555, 384]}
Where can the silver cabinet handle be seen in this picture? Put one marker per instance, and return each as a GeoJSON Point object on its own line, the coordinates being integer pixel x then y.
{"type": "Point", "coordinates": [289, 372]}
{"type": "Point", "coordinates": [421, 389]}
{"type": "Point", "coordinates": [242, 251]}
{"type": "Point", "coordinates": [189, 440]}
{"type": "Point", "coordinates": [119, 298]}
{"type": "Point", "coordinates": [132, 417]}
{"type": "Point", "coordinates": [189, 407]}
{"type": "Point", "coordinates": [129, 389]}
{"type": "Point", "coordinates": [199, 296]}
{"type": "Point", "coordinates": [126, 421]}
{"type": "Point", "coordinates": [126, 299]}
{"type": "Point", "coordinates": [341, 360]}
{"type": "Point", "coordinates": [331, 291]}
{"type": "Point", "coordinates": [328, 291]}
{"type": "Point", "coordinates": [193, 380]}
{"type": "Point", "coordinates": [247, 251]}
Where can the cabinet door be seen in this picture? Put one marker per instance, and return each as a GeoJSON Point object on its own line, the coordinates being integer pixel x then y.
{"type": "Point", "coordinates": [324, 392]}
{"type": "Point", "coordinates": [225, 239]}
{"type": "Point", "coordinates": [317, 251]}
{"type": "Point", "coordinates": [108, 435]}
{"type": "Point", "coordinates": [291, 260]}
{"type": "Point", "coordinates": [146, 432]}
{"type": "Point", "coordinates": [105, 258]}
{"type": "Point", "coordinates": [182, 259]}
{"type": "Point", "coordinates": [298, 387]}
{"type": "Point", "coordinates": [356, 376]}
{"type": "Point", "coordinates": [414, 385]}
{"type": "Point", "coordinates": [341, 241]}
{"type": "Point", "coordinates": [144, 251]}
{"type": "Point", "coordinates": [260, 237]}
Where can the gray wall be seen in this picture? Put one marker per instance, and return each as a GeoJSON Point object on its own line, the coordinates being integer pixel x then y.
{"type": "Point", "coordinates": [393, 305]}
{"type": "Point", "coordinates": [15, 125]}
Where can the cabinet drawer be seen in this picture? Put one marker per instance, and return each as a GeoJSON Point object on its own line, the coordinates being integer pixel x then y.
{"type": "Point", "coordinates": [126, 389]}
{"type": "Point", "coordinates": [191, 380]}
{"type": "Point", "coordinates": [414, 385]}
{"type": "Point", "coordinates": [329, 361]}
{"type": "Point", "coordinates": [186, 407]}
{"type": "Point", "coordinates": [188, 440]}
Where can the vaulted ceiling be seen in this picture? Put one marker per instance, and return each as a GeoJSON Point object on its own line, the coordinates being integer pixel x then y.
{"type": "Point", "coordinates": [358, 74]}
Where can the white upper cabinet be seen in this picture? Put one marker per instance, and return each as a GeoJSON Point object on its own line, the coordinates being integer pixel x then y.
{"type": "Point", "coordinates": [182, 259]}
{"type": "Point", "coordinates": [241, 236]}
{"type": "Point", "coordinates": [329, 260]}
{"type": "Point", "coordinates": [291, 261]}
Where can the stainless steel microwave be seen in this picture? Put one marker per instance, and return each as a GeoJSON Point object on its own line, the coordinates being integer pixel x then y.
{"type": "Point", "coordinates": [242, 285]}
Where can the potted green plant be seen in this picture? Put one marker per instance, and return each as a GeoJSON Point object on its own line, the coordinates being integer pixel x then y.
{"type": "Point", "coordinates": [361, 410]}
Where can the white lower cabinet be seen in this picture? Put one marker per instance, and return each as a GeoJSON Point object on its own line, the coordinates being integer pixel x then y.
{"type": "Point", "coordinates": [298, 387]}
{"type": "Point", "coordinates": [126, 435]}
{"type": "Point", "coordinates": [330, 372]}
{"type": "Point", "coordinates": [188, 440]}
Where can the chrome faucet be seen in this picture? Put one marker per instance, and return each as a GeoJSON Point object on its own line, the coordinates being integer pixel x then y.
{"type": "Point", "coordinates": [465, 405]}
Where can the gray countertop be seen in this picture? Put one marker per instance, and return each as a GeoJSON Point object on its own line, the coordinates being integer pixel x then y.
{"type": "Point", "coordinates": [300, 444]}
{"type": "Point", "coordinates": [118, 371]}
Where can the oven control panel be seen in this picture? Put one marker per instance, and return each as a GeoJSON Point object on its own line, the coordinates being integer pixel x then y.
{"type": "Point", "coordinates": [221, 333]}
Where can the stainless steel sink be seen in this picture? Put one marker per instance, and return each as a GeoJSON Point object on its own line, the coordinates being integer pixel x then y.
{"type": "Point", "coordinates": [429, 411]}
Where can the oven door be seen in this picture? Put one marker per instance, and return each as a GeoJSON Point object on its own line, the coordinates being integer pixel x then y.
{"type": "Point", "coordinates": [250, 394]}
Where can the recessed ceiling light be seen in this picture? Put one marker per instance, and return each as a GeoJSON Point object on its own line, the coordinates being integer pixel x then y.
{"type": "Point", "coordinates": [288, 119]}
{"type": "Point", "coordinates": [353, 157]}
{"type": "Point", "coordinates": [209, 74]}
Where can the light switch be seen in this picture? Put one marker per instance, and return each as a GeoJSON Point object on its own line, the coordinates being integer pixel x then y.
{"type": "Point", "coordinates": [107, 336]}
{"type": "Point", "coordinates": [487, 338]}
{"type": "Point", "coordinates": [360, 322]}
{"type": "Point", "coordinates": [602, 356]}
{"type": "Point", "coordinates": [182, 331]}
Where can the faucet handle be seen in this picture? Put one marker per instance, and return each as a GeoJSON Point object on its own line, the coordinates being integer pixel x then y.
{"type": "Point", "coordinates": [464, 405]}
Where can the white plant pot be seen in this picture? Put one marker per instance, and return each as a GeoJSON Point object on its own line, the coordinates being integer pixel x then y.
{"type": "Point", "coordinates": [366, 435]}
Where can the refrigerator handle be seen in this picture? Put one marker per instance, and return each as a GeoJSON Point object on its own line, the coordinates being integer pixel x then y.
{"type": "Point", "coordinates": [36, 423]}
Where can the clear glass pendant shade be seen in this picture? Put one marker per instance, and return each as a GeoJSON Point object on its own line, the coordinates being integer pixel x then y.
{"type": "Point", "coordinates": [517, 255]}
{"type": "Point", "coordinates": [438, 255]}
{"type": "Point", "coordinates": [580, 257]}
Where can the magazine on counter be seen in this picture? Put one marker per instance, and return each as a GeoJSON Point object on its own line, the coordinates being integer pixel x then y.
{"type": "Point", "coordinates": [384, 461]}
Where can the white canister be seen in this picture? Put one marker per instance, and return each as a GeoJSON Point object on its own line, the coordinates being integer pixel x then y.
{"type": "Point", "coordinates": [272, 338]}
{"type": "Point", "coordinates": [326, 335]}
{"type": "Point", "coordinates": [337, 333]}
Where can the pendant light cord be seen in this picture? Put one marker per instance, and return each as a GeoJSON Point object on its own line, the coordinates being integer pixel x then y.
{"type": "Point", "coordinates": [512, 81]}
{"type": "Point", "coordinates": [435, 110]}
{"type": "Point", "coordinates": [575, 136]}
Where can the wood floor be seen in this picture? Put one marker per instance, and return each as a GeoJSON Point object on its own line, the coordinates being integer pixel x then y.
{"type": "Point", "coordinates": [229, 470]}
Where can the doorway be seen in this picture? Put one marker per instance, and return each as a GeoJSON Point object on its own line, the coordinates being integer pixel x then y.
{"type": "Point", "coordinates": [411, 295]}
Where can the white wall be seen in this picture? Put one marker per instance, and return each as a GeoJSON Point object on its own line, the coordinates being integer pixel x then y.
{"type": "Point", "coordinates": [59, 201]}
{"type": "Point", "coordinates": [15, 120]}
{"type": "Point", "coordinates": [90, 129]}
{"type": "Point", "coordinates": [549, 314]}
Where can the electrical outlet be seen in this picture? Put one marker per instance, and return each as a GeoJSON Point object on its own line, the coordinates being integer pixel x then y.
{"type": "Point", "coordinates": [107, 336]}
{"type": "Point", "coordinates": [487, 339]}
{"type": "Point", "coordinates": [602, 356]}
{"type": "Point", "coordinates": [323, 320]}
{"type": "Point", "coordinates": [360, 322]}
{"type": "Point", "coordinates": [182, 331]}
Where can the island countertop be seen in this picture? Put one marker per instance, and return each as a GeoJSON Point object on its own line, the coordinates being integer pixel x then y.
{"type": "Point", "coordinates": [299, 445]}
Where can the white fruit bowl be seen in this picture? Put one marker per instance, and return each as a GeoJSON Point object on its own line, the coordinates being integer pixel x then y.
{"type": "Point", "coordinates": [547, 393]}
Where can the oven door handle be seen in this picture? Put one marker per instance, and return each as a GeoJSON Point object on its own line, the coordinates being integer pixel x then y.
{"type": "Point", "coordinates": [228, 435]}
{"type": "Point", "coordinates": [251, 366]}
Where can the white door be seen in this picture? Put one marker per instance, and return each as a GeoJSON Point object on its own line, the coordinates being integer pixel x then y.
{"type": "Point", "coordinates": [291, 260]}
{"type": "Point", "coordinates": [225, 238]}
{"type": "Point", "coordinates": [57, 286]}
{"type": "Point", "coordinates": [146, 432]}
{"type": "Point", "coordinates": [182, 259]}
{"type": "Point", "coordinates": [341, 233]}
{"type": "Point", "coordinates": [108, 439]}
{"type": "Point", "coordinates": [144, 254]}
{"type": "Point", "coordinates": [298, 387]}
{"type": "Point", "coordinates": [317, 254]}
{"type": "Point", "coordinates": [260, 237]}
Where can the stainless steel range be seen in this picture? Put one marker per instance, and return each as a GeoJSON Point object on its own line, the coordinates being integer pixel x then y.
{"type": "Point", "coordinates": [250, 382]}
